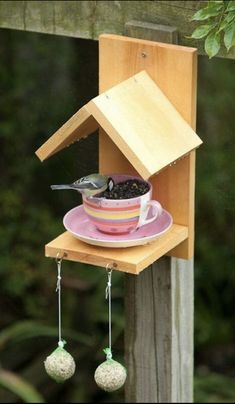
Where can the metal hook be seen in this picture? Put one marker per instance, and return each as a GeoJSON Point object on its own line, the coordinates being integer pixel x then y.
{"type": "Point", "coordinates": [60, 259]}
{"type": "Point", "coordinates": [109, 268]}
{"type": "Point", "coordinates": [109, 284]}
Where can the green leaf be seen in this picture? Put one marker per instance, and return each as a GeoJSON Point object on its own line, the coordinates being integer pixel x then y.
{"type": "Point", "coordinates": [19, 387]}
{"type": "Point", "coordinates": [230, 16]}
{"type": "Point", "coordinates": [212, 44]}
{"type": "Point", "coordinates": [231, 6]}
{"type": "Point", "coordinates": [207, 12]}
{"type": "Point", "coordinates": [229, 37]}
{"type": "Point", "coordinates": [223, 25]}
{"type": "Point", "coordinates": [202, 31]}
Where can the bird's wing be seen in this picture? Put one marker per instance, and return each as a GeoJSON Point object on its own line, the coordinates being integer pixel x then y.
{"type": "Point", "coordinates": [85, 184]}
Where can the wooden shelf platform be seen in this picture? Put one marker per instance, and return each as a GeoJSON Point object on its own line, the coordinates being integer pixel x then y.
{"type": "Point", "coordinates": [132, 259]}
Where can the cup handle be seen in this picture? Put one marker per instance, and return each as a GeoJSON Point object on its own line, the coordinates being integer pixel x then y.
{"type": "Point", "coordinates": [157, 211]}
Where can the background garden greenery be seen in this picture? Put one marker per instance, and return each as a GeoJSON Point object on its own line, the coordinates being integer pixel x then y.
{"type": "Point", "coordinates": [44, 80]}
{"type": "Point", "coordinates": [216, 25]}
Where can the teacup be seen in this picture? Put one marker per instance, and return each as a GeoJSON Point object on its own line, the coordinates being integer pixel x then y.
{"type": "Point", "coordinates": [120, 216]}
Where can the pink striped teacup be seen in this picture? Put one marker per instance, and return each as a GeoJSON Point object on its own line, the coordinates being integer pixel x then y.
{"type": "Point", "coordinates": [120, 216]}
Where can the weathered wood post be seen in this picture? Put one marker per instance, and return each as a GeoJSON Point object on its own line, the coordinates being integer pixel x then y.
{"type": "Point", "coordinates": [159, 306]}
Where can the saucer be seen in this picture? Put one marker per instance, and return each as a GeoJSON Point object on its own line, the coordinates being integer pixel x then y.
{"type": "Point", "coordinates": [78, 224]}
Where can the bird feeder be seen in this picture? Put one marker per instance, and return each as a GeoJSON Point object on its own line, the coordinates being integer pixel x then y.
{"type": "Point", "coordinates": [144, 114]}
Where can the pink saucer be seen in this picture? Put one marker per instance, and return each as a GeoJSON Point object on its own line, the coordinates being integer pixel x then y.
{"type": "Point", "coordinates": [78, 224]}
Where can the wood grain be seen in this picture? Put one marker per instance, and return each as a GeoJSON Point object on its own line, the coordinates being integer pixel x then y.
{"type": "Point", "coordinates": [159, 333]}
{"type": "Point", "coordinates": [160, 360]}
{"type": "Point", "coordinates": [174, 69]}
{"type": "Point", "coordinates": [79, 125]}
{"type": "Point", "coordinates": [89, 19]}
{"type": "Point", "coordinates": [143, 124]}
{"type": "Point", "coordinates": [138, 118]}
{"type": "Point", "coordinates": [132, 259]}
{"type": "Point", "coordinates": [151, 31]}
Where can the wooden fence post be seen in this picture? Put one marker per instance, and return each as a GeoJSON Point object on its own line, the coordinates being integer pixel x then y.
{"type": "Point", "coordinates": [159, 333]}
{"type": "Point", "coordinates": [159, 312]}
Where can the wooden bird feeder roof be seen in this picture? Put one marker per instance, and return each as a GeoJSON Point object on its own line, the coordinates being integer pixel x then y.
{"type": "Point", "coordinates": [138, 118]}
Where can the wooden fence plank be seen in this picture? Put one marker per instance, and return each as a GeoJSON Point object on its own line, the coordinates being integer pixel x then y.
{"type": "Point", "coordinates": [12, 14]}
{"type": "Point", "coordinates": [89, 19]}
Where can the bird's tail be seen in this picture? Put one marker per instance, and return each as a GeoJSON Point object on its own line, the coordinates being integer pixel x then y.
{"type": "Point", "coordinates": [61, 186]}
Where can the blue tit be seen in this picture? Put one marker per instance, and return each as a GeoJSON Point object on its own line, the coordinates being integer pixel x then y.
{"type": "Point", "coordinates": [91, 185]}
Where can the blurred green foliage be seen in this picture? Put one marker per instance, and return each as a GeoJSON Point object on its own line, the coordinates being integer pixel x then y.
{"type": "Point", "coordinates": [19, 387]}
{"type": "Point", "coordinates": [44, 80]}
{"type": "Point", "coordinates": [213, 387]}
{"type": "Point", "coordinates": [215, 205]}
